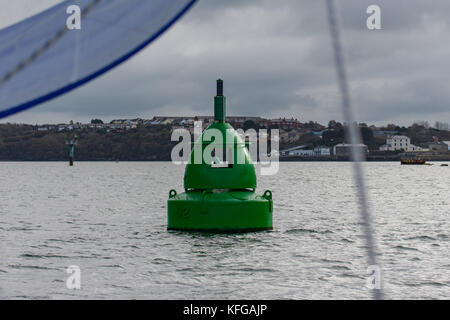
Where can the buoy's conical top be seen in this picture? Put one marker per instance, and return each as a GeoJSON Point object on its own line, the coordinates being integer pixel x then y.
{"type": "Point", "coordinates": [238, 173]}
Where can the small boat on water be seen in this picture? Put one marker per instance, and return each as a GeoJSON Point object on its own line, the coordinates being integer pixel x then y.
{"type": "Point", "coordinates": [412, 161]}
{"type": "Point", "coordinates": [444, 165]}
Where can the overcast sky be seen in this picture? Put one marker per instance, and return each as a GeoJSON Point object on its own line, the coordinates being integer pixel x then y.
{"type": "Point", "coordinates": [276, 60]}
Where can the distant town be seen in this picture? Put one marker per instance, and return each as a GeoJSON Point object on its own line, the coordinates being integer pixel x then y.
{"type": "Point", "coordinates": [149, 139]}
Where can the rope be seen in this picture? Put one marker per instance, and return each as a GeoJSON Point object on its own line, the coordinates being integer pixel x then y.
{"type": "Point", "coordinates": [354, 136]}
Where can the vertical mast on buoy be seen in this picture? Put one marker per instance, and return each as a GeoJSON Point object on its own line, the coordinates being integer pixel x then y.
{"type": "Point", "coordinates": [220, 103]}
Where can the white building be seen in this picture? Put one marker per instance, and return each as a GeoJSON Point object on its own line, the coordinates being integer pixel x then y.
{"type": "Point", "coordinates": [301, 151]}
{"type": "Point", "coordinates": [399, 143]}
{"type": "Point", "coordinates": [448, 144]}
{"type": "Point", "coordinates": [322, 152]}
{"type": "Point", "coordinates": [298, 151]}
{"type": "Point", "coordinates": [344, 149]}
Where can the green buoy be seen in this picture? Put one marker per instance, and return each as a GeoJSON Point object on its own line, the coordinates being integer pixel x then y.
{"type": "Point", "coordinates": [220, 196]}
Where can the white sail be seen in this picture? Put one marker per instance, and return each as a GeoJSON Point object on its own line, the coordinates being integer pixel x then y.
{"type": "Point", "coordinates": [46, 55]}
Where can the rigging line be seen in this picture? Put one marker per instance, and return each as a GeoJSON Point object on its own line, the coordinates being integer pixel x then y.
{"type": "Point", "coordinates": [354, 135]}
{"type": "Point", "coordinates": [47, 45]}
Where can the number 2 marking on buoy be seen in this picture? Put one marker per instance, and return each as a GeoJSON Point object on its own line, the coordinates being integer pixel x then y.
{"type": "Point", "coordinates": [183, 213]}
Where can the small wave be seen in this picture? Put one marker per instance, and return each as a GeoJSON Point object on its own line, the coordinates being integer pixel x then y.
{"type": "Point", "coordinates": [302, 230]}
{"type": "Point", "coordinates": [57, 240]}
{"type": "Point", "coordinates": [72, 240]}
{"type": "Point", "coordinates": [121, 287]}
{"type": "Point", "coordinates": [331, 261]}
{"type": "Point", "coordinates": [338, 267]}
{"type": "Point", "coordinates": [406, 248]}
{"type": "Point", "coordinates": [255, 269]}
{"type": "Point", "coordinates": [421, 238]}
{"type": "Point", "coordinates": [112, 266]}
{"type": "Point", "coordinates": [43, 256]}
{"type": "Point", "coordinates": [20, 266]}
{"type": "Point", "coordinates": [161, 261]}
{"type": "Point", "coordinates": [186, 269]}
{"type": "Point", "coordinates": [352, 275]}
{"type": "Point", "coordinates": [45, 246]}
{"type": "Point", "coordinates": [131, 246]}
{"type": "Point", "coordinates": [22, 229]}
{"type": "Point", "coordinates": [426, 283]}
{"type": "Point", "coordinates": [29, 255]}
{"type": "Point", "coordinates": [92, 256]}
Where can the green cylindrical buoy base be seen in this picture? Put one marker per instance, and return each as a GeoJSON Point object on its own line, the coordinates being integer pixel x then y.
{"type": "Point", "coordinates": [224, 211]}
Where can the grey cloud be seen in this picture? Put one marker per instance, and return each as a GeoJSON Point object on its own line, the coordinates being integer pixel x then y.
{"type": "Point", "coordinates": [276, 60]}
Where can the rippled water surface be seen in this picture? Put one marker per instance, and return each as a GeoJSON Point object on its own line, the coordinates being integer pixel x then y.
{"type": "Point", "coordinates": [110, 220]}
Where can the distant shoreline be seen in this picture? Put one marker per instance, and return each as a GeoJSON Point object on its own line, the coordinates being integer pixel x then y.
{"type": "Point", "coordinates": [369, 158]}
{"type": "Point", "coordinates": [291, 159]}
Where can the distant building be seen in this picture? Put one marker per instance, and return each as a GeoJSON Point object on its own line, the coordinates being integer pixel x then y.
{"type": "Point", "coordinates": [441, 147]}
{"type": "Point", "coordinates": [236, 121]}
{"type": "Point", "coordinates": [344, 149]}
{"type": "Point", "coordinates": [384, 133]}
{"type": "Point", "coordinates": [399, 143]}
{"type": "Point", "coordinates": [289, 136]}
{"type": "Point", "coordinates": [301, 151]}
{"type": "Point", "coordinates": [322, 152]}
{"type": "Point", "coordinates": [167, 121]}
{"type": "Point", "coordinates": [117, 121]}
{"type": "Point", "coordinates": [295, 151]}
{"type": "Point", "coordinates": [242, 119]}
{"type": "Point", "coordinates": [283, 123]}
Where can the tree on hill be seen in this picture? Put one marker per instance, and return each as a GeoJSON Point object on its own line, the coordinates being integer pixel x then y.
{"type": "Point", "coordinates": [250, 124]}
{"type": "Point", "coordinates": [332, 124]}
{"type": "Point", "coordinates": [367, 137]}
{"type": "Point", "coordinates": [332, 137]}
